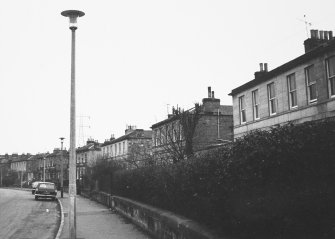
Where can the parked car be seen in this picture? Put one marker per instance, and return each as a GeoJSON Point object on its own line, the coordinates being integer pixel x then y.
{"type": "Point", "coordinates": [46, 190]}
{"type": "Point", "coordinates": [34, 185]}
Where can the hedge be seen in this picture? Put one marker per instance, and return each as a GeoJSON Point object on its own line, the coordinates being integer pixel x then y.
{"type": "Point", "coordinates": [269, 184]}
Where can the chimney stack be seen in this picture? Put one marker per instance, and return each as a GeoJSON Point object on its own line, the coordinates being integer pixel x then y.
{"type": "Point", "coordinates": [210, 104]}
{"type": "Point", "coordinates": [317, 39]}
{"type": "Point", "coordinates": [263, 69]}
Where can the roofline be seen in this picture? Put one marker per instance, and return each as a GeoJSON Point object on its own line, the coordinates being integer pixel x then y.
{"type": "Point", "coordinates": [125, 137]}
{"type": "Point", "coordinates": [175, 117]}
{"type": "Point", "coordinates": [168, 120]}
{"type": "Point", "coordinates": [285, 67]}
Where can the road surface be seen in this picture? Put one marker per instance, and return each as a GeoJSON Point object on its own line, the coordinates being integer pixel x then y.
{"type": "Point", "coordinates": [23, 217]}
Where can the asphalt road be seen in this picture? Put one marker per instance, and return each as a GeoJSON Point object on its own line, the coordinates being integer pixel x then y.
{"type": "Point", "coordinates": [22, 217]}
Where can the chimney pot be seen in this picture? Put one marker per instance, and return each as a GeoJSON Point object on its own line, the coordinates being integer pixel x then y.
{"type": "Point", "coordinates": [213, 94]}
{"type": "Point", "coordinates": [321, 35]}
{"type": "Point", "coordinates": [209, 91]}
{"type": "Point", "coordinates": [261, 66]}
{"type": "Point", "coordinates": [330, 34]}
{"type": "Point", "coordinates": [266, 67]}
{"type": "Point", "coordinates": [314, 34]}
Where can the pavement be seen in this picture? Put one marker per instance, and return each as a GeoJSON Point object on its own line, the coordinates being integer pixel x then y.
{"type": "Point", "coordinates": [96, 221]}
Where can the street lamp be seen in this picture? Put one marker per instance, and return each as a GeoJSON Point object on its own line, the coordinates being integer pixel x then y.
{"type": "Point", "coordinates": [72, 15]}
{"type": "Point", "coordinates": [61, 167]}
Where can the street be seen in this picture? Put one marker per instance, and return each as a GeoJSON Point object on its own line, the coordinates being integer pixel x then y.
{"type": "Point", "coordinates": [23, 217]}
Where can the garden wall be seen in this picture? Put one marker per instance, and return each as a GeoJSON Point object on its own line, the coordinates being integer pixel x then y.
{"type": "Point", "coordinates": [156, 222]}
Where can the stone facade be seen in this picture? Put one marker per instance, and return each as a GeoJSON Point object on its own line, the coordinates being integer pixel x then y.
{"type": "Point", "coordinates": [302, 91]}
{"type": "Point", "coordinates": [215, 125]}
{"type": "Point", "coordinates": [131, 149]}
{"type": "Point", "coordinates": [87, 156]}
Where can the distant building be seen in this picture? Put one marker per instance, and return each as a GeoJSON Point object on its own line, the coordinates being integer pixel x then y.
{"type": "Point", "coordinates": [50, 165]}
{"type": "Point", "coordinates": [41, 164]}
{"type": "Point", "coordinates": [87, 156]}
{"type": "Point", "coordinates": [4, 168]}
{"type": "Point", "coordinates": [35, 167]}
{"type": "Point", "coordinates": [300, 90]}
{"type": "Point", "coordinates": [32, 168]}
{"type": "Point", "coordinates": [131, 149]}
{"type": "Point", "coordinates": [214, 126]}
{"type": "Point", "coordinates": [18, 164]}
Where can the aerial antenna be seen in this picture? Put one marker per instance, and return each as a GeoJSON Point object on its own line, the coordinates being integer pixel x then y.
{"type": "Point", "coordinates": [82, 125]}
{"type": "Point", "coordinates": [307, 25]}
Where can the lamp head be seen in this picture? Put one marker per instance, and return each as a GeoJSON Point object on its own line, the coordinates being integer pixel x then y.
{"type": "Point", "coordinates": [73, 15]}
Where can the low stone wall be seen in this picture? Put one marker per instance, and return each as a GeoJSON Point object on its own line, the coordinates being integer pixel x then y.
{"type": "Point", "coordinates": [159, 223]}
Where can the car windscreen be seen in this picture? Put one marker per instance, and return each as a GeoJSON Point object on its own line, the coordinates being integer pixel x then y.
{"type": "Point", "coordinates": [34, 185]}
{"type": "Point", "coordinates": [46, 186]}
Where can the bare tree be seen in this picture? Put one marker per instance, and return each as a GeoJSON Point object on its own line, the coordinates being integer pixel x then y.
{"type": "Point", "coordinates": [178, 135]}
{"type": "Point", "coordinates": [139, 155]}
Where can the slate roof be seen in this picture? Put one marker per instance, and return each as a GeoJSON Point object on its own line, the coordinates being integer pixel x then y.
{"type": "Point", "coordinates": [18, 158]}
{"type": "Point", "coordinates": [286, 67]}
{"type": "Point", "coordinates": [88, 147]}
{"type": "Point", "coordinates": [224, 110]}
{"type": "Point", "coordinates": [136, 134]}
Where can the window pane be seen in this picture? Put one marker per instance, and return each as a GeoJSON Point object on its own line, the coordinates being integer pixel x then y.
{"type": "Point", "coordinates": [256, 112]}
{"type": "Point", "coordinates": [310, 75]}
{"type": "Point", "coordinates": [293, 98]}
{"type": "Point", "coordinates": [242, 103]}
{"type": "Point", "coordinates": [331, 66]}
{"type": "Point", "coordinates": [332, 86]}
{"type": "Point", "coordinates": [273, 106]}
{"type": "Point", "coordinates": [292, 82]}
{"type": "Point", "coordinates": [244, 119]}
{"type": "Point", "coordinates": [255, 97]}
{"type": "Point", "coordinates": [272, 92]}
{"type": "Point", "coordinates": [312, 92]}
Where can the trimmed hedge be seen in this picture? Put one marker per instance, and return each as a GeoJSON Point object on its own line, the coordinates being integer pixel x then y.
{"type": "Point", "coordinates": [269, 184]}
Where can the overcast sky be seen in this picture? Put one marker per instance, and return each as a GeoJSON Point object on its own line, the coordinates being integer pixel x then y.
{"type": "Point", "coordinates": [135, 60]}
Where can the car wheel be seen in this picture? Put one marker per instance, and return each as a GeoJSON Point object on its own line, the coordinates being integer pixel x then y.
{"type": "Point", "coordinates": [36, 198]}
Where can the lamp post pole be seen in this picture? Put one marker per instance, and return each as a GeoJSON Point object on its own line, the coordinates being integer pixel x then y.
{"type": "Point", "coordinates": [0, 176]}
{"type": "Point", "coordinates": [73, 15]}
{"type": "Point", "coordinates": [44, 169]}
{"type": "Point", "coordinates": [61, 168]}
{"type": "Point", "coordinates": [21, 177]}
